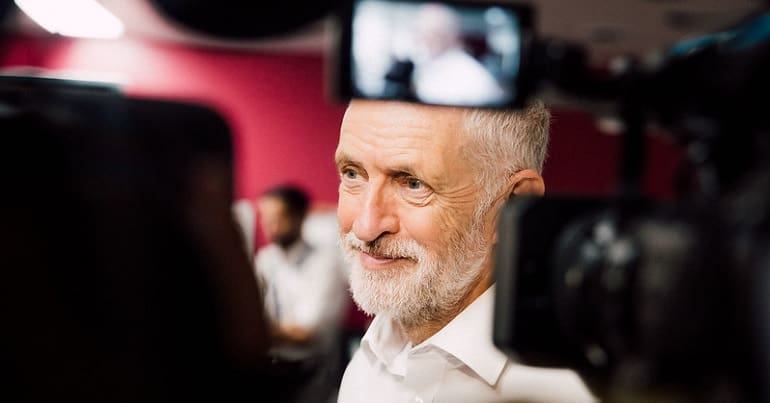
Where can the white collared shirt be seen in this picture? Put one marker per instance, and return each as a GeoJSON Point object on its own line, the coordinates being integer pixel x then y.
{"type": "Point", "coordinates": [305, 287]}
{"type": "Point", "coordinates": [457, 364]}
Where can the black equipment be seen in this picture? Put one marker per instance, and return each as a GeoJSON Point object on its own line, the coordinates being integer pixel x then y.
{"type": "Point", "coordinates": [646, 300]}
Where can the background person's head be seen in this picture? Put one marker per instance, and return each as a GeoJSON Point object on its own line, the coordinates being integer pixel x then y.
{"type": "Point", "coordinates": [421, 187]}
{"type": "Point", "coordinates": [436, 29]}
{"type": "Point", "coordinates": [282, 210]}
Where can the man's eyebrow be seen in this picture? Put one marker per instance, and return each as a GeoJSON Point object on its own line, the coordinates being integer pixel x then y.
{"type": "Point", "coordinates": [341, 159]}
{"type": "Point", "coordinates": [401, 171]}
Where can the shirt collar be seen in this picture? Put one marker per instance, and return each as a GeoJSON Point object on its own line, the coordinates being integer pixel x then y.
{"type": "Point", "coordinates": [468, 337]}
{"type": "Point", "coordinates": [387, 341]}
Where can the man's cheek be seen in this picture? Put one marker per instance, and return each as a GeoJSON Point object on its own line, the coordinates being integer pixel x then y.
{"type": "Point", "coordinates": [422, 224]}
{"type": "Point", "coordinates": [345, 213]}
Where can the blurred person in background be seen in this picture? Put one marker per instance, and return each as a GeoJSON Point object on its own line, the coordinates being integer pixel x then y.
{"type": "Point", "coordinates": [421, 189]}
{"type": "Point", "coordinates": [444, 71]}
{"type": "Point", "coordinates": [304, 295]}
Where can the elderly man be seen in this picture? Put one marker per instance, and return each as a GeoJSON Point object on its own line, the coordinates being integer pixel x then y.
{"type": "Point", "coordinates": [421, 188]}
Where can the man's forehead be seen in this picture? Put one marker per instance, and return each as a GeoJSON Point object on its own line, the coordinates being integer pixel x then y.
{"type": "Point", "coordinates": [391, 118]}
{"type": "Point", "coordinates": [272, 203]}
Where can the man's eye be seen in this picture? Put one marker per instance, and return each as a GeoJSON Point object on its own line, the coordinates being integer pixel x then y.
{"type": "Point", "coordinates": [349, 173]}
{"type": "Point", "coordinates": [414, 184]}
{"type": "Point", "coordinates": [414, 190]}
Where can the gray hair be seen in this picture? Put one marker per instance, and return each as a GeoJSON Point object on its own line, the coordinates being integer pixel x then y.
{"type": "Point", "coordinates": [503, 142]}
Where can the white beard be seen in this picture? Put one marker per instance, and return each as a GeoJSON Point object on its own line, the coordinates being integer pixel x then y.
{"type": "Point", "coordinates": [428, 288]}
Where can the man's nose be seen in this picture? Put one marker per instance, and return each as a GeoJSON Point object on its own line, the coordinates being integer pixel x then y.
{"type": "Point", "coordinates": [377, 216]}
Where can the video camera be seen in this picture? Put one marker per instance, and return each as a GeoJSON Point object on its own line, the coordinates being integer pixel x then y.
{"type": "Point", "coordinates": [646, 300]}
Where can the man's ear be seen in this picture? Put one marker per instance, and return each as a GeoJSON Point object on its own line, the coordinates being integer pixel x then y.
{"type": "Point", "coordinates": [524, 182]}
{"type": "Point", "coordinates": [527, 181]}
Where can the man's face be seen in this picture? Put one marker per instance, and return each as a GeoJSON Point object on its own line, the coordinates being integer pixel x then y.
{"type": "Point", "coordinates": [406, 205]}
{"type": "Point", "coordinates": [277, 225]}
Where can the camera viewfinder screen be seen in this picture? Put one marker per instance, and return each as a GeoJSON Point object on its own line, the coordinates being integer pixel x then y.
{"type": "Point", "coordinates": [435, 53]}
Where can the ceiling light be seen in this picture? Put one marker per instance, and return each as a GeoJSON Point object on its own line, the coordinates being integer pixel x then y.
{"type": "Point", "coordinates": [78, 18]}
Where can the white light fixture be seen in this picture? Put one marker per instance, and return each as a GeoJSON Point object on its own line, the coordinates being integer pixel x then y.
{"type": "Point", "coordinates": [78, 18]}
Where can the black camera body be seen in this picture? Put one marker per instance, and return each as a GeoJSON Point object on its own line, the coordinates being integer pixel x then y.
{"type": "Point", "coordinates": [640, 298]}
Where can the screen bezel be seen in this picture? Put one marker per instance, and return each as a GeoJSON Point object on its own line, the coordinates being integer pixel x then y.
{"type": "Point", "coordinates": [344, 89]}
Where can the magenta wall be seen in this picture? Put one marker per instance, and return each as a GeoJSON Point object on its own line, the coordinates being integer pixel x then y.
{"type": "Point", "coordinates": [284, 127]}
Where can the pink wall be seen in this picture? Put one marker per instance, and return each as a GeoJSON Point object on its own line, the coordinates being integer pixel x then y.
{"type": "Point", "coordinates": [285, 128]}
